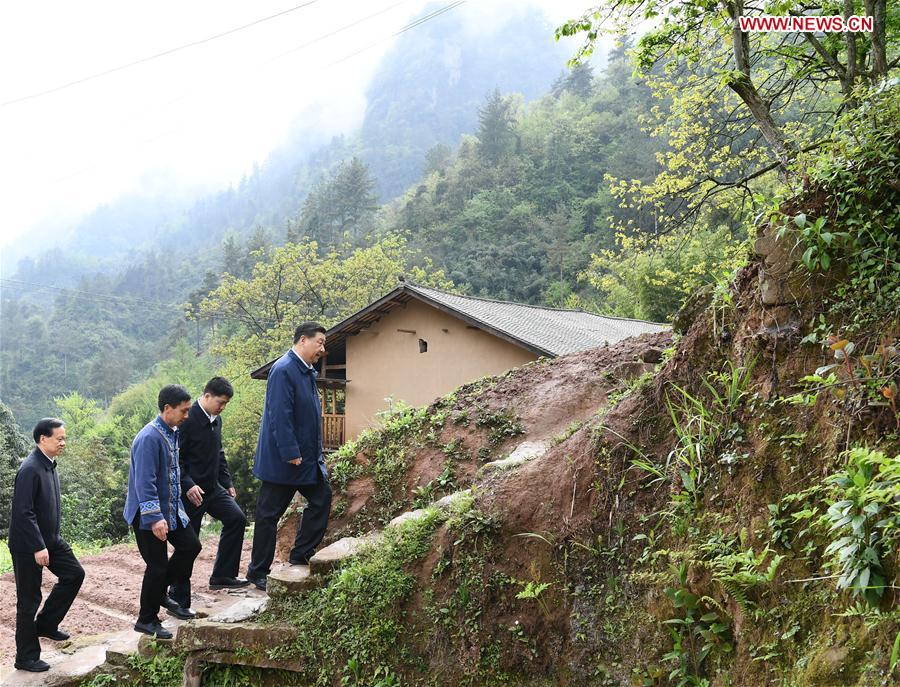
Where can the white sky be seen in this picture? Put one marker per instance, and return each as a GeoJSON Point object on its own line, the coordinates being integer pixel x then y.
{"type": "Point", "coordinates": [193, 120]}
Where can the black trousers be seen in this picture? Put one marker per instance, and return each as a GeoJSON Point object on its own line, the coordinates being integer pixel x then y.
{"type": "Point", "coordinates": [161, 571]}
{"type": "Point", "coordinates": [272, 502]}
{"type": "Point", "coordinates": [228, 556]}
{"type": "Point", "coordinates": [69, 576]}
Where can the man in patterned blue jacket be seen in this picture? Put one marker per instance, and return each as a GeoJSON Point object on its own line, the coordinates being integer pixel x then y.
{"type": "Point", "coordinates": [154, 510]}
{"type": "Point", "coordinates": [289, 455]}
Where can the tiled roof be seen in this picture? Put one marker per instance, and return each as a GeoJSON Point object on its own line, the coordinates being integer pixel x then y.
{"type": "Point", "coordinates": [543, 331]}
{"type": "Point", "coordinates": [553, 331]}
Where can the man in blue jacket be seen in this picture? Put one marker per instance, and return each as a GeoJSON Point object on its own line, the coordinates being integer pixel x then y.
{"type": "Point", "coordinates": [289, 455]}
{"type": "Point", "coordinates": [153, 508]}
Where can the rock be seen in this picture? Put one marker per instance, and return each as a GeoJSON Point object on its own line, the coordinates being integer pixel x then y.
{"type": "Point", "coordinates": [782, 279]}
{"type": "Point", "coordinates": [524, 452]}
{"type": "Point", "coordinates": [243, 610]}
{"type": "Point", "coordinates": [120, 648]}
{"type": "Point", "coordinates": [205, 635]}
{"type": "Point", "coordinates": [692, 308]}
{"type": "Point", "coordinates": [65, 669]}
{"type": "Point", "coordinates": [326, 560]}
{"type": "Point", "coordinates": [291, 579]}
{"type": "Point", "coordinates": [652, 355]}
{"type": "Point", "coordinates": [448, 500]}
{"type": "Point", "coordinates": [630, 370]}
{"type": "Point", "coordinates": [148, 646]}
{"type": "Point", "coordinates": [409, 515]}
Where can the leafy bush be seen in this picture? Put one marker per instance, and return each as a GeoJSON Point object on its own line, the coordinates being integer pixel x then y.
{"type": "Point", "coordinates": [866, 519]}
{"type": "Point", "coordinates": [857, 231]}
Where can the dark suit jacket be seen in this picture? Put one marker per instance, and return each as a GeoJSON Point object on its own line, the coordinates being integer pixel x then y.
{"type": "Point", "coordinates": [291, 425]}
{"type": "Point", "coordinates": [201, 454]}
{"type": "Point", "coordinates": [35, 511]}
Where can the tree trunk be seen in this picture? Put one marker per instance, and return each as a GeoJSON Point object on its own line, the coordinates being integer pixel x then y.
{"type": "Point", "coordinates": [877, 10]}
{"type": "Point", "coordinates": [850, 42]}
{"type": "Point", "coordinates": [747, 92]}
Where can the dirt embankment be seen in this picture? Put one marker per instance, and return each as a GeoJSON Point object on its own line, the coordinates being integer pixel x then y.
{"type": "Point", "coordinates": [484, 421]}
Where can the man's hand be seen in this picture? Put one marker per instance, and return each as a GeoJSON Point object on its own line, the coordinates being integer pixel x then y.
{"type": "Point", "coordinates": [232, 492]}
{"type": "Point", "coordinates": [160, 529]}
{"type": "Point", "coordinates": [195, 495]}
{"type": "Point", "coordinates": [42, 558]}
{"type": "Point", "coordinates": [296, 461]}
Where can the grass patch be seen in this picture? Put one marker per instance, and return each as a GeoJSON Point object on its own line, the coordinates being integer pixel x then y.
{"type": "Point", "coordinates": [356, 626]}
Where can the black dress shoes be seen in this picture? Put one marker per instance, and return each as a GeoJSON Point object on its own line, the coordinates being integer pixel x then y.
{"type": "Point", "coordinates": [227, 582]}
{"type": "Point", "coordinates": [258, 582]}
{"type": "Point", "coordinates": [154, 629]}
{"type": "Point", "coordinates": [182, 613]}
{"type": "Point", "coordinates": [56, 635]}
{"type": "Point", "coordinates": [35, 666]}
{"type": "Point", "coordinates": [173, 608]}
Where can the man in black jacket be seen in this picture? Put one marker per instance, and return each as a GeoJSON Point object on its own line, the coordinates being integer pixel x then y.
{"type": "Point", "coordinates": [207, 488]}
{"type": "Point", "coordinates": [34, 543]}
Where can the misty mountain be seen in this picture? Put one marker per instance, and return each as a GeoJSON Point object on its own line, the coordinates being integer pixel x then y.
{"type": "Point", "coordinates": [425, 92]}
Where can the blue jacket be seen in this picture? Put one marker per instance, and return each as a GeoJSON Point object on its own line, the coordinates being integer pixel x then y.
{"type": "Point", "coordinates": [154, 478]}
{"type": "Point", "coordinates": [291, 425]}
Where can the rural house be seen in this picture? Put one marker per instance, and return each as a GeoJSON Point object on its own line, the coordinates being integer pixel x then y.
{"type": "Point", "coordinates": [417, 343]}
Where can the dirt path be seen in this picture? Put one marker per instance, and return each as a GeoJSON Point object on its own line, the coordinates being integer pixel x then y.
{"type": "Point", "coordinates": [108, 600]}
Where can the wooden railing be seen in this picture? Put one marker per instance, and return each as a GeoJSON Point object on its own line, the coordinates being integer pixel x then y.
{"type": "Point", "coordinates": [332, 431]}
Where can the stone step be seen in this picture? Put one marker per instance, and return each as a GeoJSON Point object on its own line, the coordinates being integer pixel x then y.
{"type": "Point", "coordinates": [70, 665]}
{"type": "Point", "coordinates": [329, 558]}
{"type": "Point", "coordinates": [523, 453]}
{"type": "Point", "coordinates": [243, 610]}
{"type": "Point", "coordinates": [292, 579]}
{"type": "Point", "coordinates": [243, 638]}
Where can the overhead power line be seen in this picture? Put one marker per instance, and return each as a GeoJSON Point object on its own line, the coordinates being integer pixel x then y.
{"type": "Point", "coordinates": [149, 58]}
{"type": "Point", "coordinates": [414, 24]}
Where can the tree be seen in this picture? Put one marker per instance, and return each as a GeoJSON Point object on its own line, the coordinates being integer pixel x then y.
{"type": "Point", "coordinates": [495, 127]}
{"type": "Point", "coordinates": [13, 448]}
{"type": "Point", "coordinates": [651, 279]}
{"type": "Point", "coordinates": [341, 207]}
{"type": "Point", "coordinates": [354, 201]}
{"type": "Point", "coordinates": [579, 81]}
{"type": "Point", "coordinates": [437, 158]}
{"type": "Point", "coordinates": [742, 105]}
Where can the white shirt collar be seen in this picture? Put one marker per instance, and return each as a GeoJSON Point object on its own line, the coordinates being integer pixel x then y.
{"type": "Point", "coordinates": [52, 460]}
{"type": "Point", "coordinates": [212, 418]}
{"type": "Point", "coordinates": [300, 358]}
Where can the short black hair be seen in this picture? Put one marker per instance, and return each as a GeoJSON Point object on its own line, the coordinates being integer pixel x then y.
{"type": "Point", "coordinates": [307, 329]}
{"type": "Point", "coordinates": [219, 386]}
{"type": "Point", "coordinates": [45, 427]}
{"type": "Point", "coordinates": [172, 395]}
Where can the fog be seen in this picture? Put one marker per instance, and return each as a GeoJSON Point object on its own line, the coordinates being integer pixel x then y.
{"type": "Point", "coordinates": [192, 120]}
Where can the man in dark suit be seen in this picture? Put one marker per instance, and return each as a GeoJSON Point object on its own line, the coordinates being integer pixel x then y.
{"type": "Point", "coordinates": [207, 488]}
{"type": "Point", "coordinates": [35, 544]}
{"type": "Point", "coordinates": [289, 455]}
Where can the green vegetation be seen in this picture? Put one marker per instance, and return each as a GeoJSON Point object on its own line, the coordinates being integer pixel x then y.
{"type": "Point", "coordinates": [163, 669]}
{"type": "Point", "coordinates": [355, 627]}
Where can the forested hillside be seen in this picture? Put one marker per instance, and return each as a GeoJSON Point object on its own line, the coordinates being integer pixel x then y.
{"type": "Point", "coordinates": [130, 266]}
